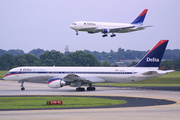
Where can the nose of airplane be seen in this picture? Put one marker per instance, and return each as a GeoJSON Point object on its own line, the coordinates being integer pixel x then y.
{"type": "Point", "coordinates": [71, 26]}
{"type": "Point", "coordinates": [4, 77]}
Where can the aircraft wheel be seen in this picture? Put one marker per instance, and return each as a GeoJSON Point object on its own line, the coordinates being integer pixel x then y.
{"type": "Point", "coordinates": [113, 35]}
{"type": "Point", "coordinates": [91, 88]}
{"type": "Point", "coordinates": [105, 35]}
{"type": "Point", "coordinates": [22, 88]}
{"type": "Point", "coordinates": [76, 32]}
{"type": "Point", "coordinates": [80, 89]}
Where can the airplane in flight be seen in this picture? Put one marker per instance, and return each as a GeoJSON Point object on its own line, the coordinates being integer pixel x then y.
{"type": "Point", "coordinates": [107, 27]}
{"type": "Point", "coordinates": [57, 77]}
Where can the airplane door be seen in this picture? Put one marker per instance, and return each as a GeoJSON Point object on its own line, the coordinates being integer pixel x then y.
{"type": "Point", "coordinates": [47, 73]}
{"type": "Point", "coordinates": [17, 74]}
{"type": "Point", "coordinates": [133, 74]}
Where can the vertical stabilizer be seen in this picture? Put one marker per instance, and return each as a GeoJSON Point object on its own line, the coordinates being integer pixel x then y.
{"type": "Point", "coordinates": [154, 56]}
{"type": "Point", "coordinates": [140, 18]}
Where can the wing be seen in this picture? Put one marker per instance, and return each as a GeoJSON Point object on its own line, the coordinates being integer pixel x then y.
{"type": "Point", "coordinates": [150, 73]}
{"type": "Point", "coordinates": [114, 29]}
{"type": "Point", "coordinates": [111, 29]}
{"type": "Point", "coordinates": [120, 28]}
{"type": "Point", "coordinates": [85, 79]}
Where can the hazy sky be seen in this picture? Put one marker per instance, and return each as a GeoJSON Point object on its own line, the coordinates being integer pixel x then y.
{"type": "Point", "coordinates": [45, 24]}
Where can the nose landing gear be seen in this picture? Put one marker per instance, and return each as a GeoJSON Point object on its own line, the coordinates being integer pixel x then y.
{"type": "Point", "coordinates": [76, 32]}
{"type": "Point", "coordinates": [22, 85]}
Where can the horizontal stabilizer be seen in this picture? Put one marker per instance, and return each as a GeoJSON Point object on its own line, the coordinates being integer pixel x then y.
{"type": "Point", "coordinates": [147, 26]}
{"type": "Point", "coordinates": [150, 73]}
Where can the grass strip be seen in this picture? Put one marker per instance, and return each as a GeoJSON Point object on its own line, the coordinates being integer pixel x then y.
{"type": "Point", "coordinates": [2, 73]}
{"type": "Point", "coordinates": [41, 102]}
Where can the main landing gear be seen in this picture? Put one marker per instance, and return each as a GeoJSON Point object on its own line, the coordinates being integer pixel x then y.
{"type": "Point", "coordinates": [79, 88]}
{"type": "Point", "coordinates": [88, 89]}
{"type": "Point", "coordinates": [113, 35]}
{"type": "Point", "coordinates": [105, 35]}
{"type": "Point", "coordinates": [91, 88]}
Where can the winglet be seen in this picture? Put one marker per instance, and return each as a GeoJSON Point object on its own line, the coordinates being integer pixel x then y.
{"type": "Point", "coordinates": [140, 18]}
{"type": "Point", "coordinates": [154, 56]}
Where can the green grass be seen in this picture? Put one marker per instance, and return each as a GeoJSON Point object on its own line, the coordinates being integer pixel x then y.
{"type": "Point", "coordinates": [170, 79]}
{"type": "Point", "coordinates": [2, 73]}
{"type": "Point", "coordinates": [41, 102]}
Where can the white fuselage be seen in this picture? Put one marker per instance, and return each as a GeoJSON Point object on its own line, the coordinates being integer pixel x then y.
{"type": "Point", "coordinates": [94, 27]}
{"type": "Point", "coordinates": [92, 74]}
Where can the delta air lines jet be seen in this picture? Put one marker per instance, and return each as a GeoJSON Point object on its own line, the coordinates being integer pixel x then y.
{"type": "Point", "coordinates": [107, 27]}
{"type": "Point", "coordinates": [57, 77]}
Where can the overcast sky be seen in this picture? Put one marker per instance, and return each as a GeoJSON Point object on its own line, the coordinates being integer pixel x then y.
{"type": "Point", "coordinates": [45, 24]}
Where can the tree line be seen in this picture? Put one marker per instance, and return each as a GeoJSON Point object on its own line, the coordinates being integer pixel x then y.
{"type": "Point", "coordinates": [78, 58]}
{"type": "Point", "coordinates": [111, 56]}
{"type": "Point", "coordinates": [38, 57]}
{"type": "Point", "coordinates": [50, 58]}
{"type": "Point", "coordinates": [122, 54]}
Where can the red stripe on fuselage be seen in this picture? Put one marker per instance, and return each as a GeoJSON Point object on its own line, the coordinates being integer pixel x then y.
{"type": "Point", "coordinates": [11, 74]}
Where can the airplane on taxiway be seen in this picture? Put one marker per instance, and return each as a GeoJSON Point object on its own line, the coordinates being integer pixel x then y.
{"type": "Point", "coordinates": [107, 27]}
{"type": "Point", "coordinates": [57, 77]}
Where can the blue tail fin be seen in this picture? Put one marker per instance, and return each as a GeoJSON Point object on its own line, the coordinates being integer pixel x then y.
{"type": "Point", "coordinates": [140, 18]}
{"type": "Point", "coordinates": [153, 57]}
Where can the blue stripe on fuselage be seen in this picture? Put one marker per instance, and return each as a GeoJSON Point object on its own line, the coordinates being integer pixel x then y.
{"type": "Point", "coordinates": [66, 72]}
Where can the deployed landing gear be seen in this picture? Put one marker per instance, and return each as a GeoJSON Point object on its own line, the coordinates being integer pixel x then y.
{"type": "Point", "coordinates": [90, 88]}
{"type": "Point", "coordinates": [76, 32]}
{"type": "Point", "coordinates": [80, 89]}
{"type": "Point", "coordinates": [113, 35]}
{"type": "Point", "coordinates": [22, 85]}
{"type": "Point", "coordinates": [105, 35]}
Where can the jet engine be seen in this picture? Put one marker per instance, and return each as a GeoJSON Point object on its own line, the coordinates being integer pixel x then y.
{"type": "Point", "coordinates": [105, 30]}
{"type": "Point", "coordinates": [56, 83]}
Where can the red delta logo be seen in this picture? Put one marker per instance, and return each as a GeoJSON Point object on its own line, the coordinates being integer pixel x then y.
{"type": "Point", "coordinates": [152, 59]}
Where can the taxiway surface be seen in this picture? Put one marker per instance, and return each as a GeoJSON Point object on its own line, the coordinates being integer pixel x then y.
{"type": "Point", "coordinates": [165, 112]}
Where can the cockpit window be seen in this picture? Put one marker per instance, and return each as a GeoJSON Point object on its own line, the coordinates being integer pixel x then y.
{"type": "Point", "coordinates": [74, 23]}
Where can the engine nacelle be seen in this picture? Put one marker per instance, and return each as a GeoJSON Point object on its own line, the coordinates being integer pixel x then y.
{"type": "Point", "coordinates": [105, 30]}
{"type": "Point", "coordinates": [56, 83]}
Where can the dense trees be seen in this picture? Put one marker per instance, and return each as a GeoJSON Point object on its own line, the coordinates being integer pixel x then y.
{"type": "Point", "coordinates": [39, 57]}
{"type": "Point", "coordinates": [49, 58]}
{"type": "Point", "coordinates": [101, 56]}
{"type": "Point", "coordinates": [167, 64]}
